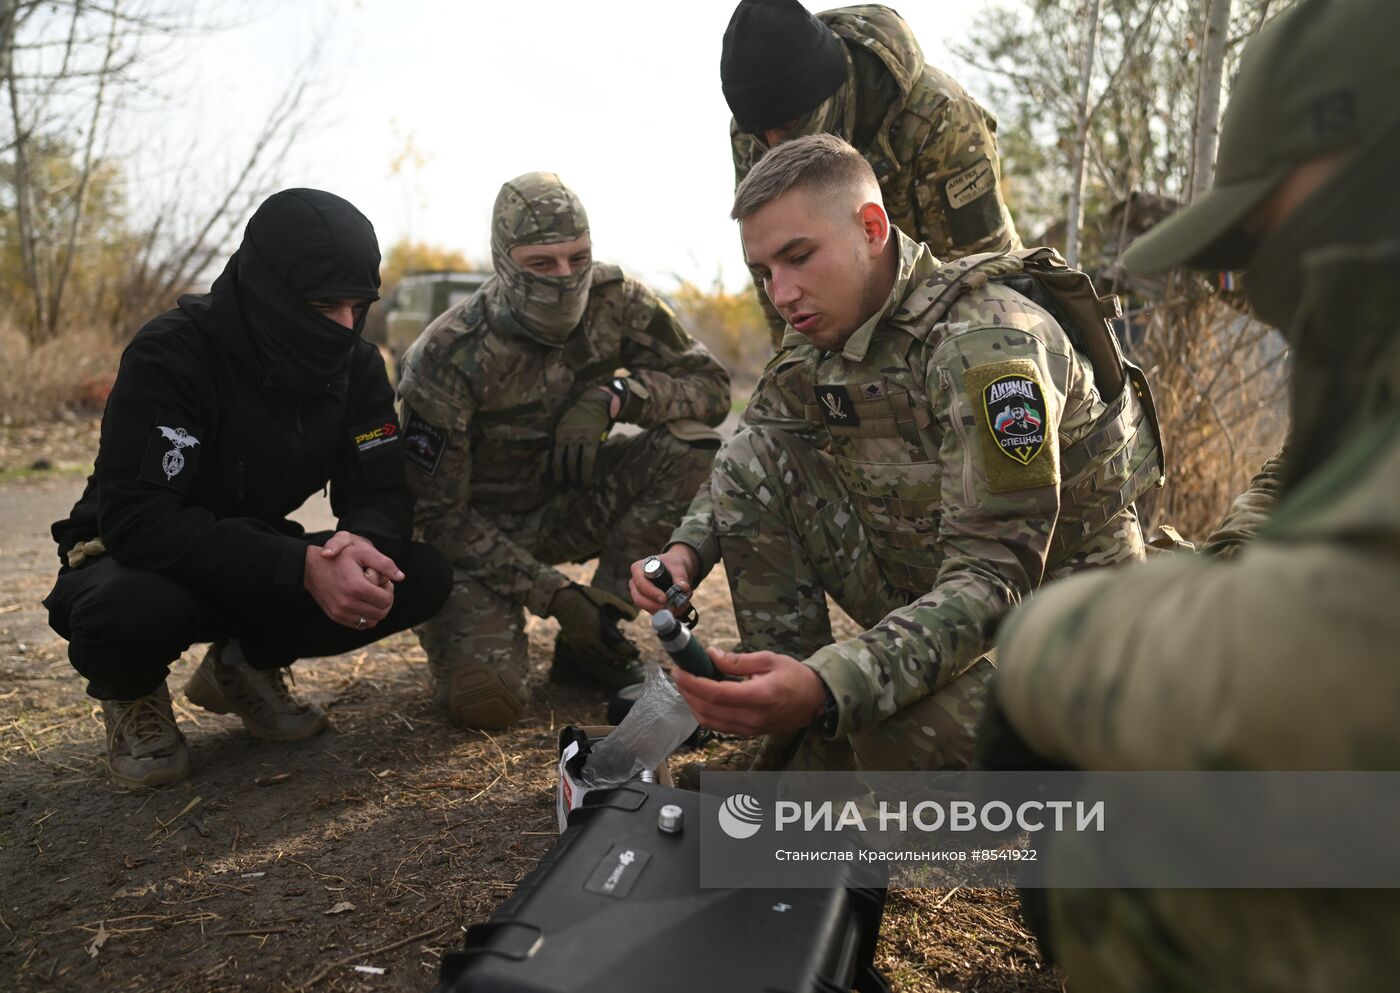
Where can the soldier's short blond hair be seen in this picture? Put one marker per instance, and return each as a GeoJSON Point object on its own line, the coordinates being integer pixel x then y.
{"type": "Point", "coordinates": [820, 162]}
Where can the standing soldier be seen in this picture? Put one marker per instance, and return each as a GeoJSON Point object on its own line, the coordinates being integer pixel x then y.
{"type": "Point", "coordinates": [858, 72]}
{"type": "Point", "coordinates": [1281, 655]}
{"type": "Point", "coordinates": [509, 398]}
{"type": "Point", "coordinates": [933, 451]}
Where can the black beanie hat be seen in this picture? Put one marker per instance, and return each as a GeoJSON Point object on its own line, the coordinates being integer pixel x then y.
{"type": "Point", "coordinates": [778, 63]}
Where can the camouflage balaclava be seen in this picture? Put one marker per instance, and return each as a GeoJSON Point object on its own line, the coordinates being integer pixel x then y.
{"type": "Point", "coordinates": [538, 209]}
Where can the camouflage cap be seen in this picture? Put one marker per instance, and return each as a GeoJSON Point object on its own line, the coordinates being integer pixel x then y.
{"type": "Point", "coordinates": [536, 209]}
{"type": "Point", "coordinates": [1316, 80]}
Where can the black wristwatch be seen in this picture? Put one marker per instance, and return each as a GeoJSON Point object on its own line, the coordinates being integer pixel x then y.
{"type": "Point", "coordinates": [619, 388]}
{"type": "Point", "coordinates": [829, 716]}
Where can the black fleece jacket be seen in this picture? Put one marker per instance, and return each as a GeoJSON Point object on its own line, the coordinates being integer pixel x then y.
{"type": "Point", "coordinates": [259, 452]}
{"type": "Point", "coordinates": [207, 444]}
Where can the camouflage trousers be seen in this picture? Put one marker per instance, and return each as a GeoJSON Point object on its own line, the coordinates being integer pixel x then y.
{"type": "Point", "coordinates": [476, 644]}
{"type": "Point", "coordinates": [789, 538]}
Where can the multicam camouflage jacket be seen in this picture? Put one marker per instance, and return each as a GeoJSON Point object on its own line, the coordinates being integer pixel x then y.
{"type": "Point", "coordinates": [1249, 511]}
{"type": "Point", "coordinates": [978, 454]}
{"type": "Point", "coordinates": [481, 400]}
{"type": "Point", "coordinates": [1280, 655]}
{"type": "Point", "coordinates": [1193, 662]}
{"type": "Point", "coordinates": [933, 147]}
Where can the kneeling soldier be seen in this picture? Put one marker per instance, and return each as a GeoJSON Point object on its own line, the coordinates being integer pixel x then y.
{"type": "Point", "coordinates": [508, 402]}
{"type": "Point", "coordinates": [930, 447]}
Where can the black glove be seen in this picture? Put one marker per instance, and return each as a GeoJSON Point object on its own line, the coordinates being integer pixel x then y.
{"type": "Point", "coordinates": [588, 619]}
{"type": "Point", "coordinates": [580, 431]}
{"type": "Point", "coordinates": [1000, 747]}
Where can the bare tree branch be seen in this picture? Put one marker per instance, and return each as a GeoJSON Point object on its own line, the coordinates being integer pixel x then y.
{"type": "Point", "coordinates": [199, 250]}
{"type": "Point", "coordinates": [79, 208]}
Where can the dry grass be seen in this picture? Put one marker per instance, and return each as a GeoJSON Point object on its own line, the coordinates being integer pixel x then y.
{"type": "Point", "coordinates": [1219, 381]}
{"type": "Point", "coordinates": [282, 867]}
{"type": "Point", "coordinates": [71, 374]}
{"type": "Point", "coordinates": [227, 881]}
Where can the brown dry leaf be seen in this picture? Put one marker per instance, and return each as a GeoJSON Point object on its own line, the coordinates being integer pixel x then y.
{"type": "Point", "coordinates": [135, 891]}
{"type": "Point", "coordinates": [340, 908]}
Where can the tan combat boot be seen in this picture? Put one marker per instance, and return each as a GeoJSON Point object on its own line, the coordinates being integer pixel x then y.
{"type": "Point", "coordinates": [475, 695]}
{"type": "Point", "coordinates": [226, 684]}
{"type": "Point", "coordinates": [144, 744]}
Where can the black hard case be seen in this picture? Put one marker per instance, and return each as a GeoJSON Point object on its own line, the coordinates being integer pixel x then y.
{"type": "Point", "coordinates": [658, 930]}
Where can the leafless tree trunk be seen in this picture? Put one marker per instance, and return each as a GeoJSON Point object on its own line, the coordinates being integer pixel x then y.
{"type": "Point", "coordinates": [78, 212]}
{"type": "Point", "coordinates": [66, 69]}
{"type": "Point", "coordinates": [1208, 91]}
{"type": "Point", "coordinates": [10, 21]}
{"type": "Point", "coordinates": [1075, 212]}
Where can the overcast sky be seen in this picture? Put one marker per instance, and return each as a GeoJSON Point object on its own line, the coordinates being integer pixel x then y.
{"type": "Point", "coordinates": [622, 99]}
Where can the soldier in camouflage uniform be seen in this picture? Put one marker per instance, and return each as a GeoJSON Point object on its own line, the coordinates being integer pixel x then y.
{"type": "Point", "coordinates": [858, 72]}
{"type": "Point", "coordinates": [1280, 655]}
{"type": "Point", "coordinates": [508, 401]}
{"type": "Point", "coordinates": [927, 450]}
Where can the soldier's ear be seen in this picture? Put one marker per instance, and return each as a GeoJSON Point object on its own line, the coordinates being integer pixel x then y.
{"type": "Point", "coordinates": [875, 224]}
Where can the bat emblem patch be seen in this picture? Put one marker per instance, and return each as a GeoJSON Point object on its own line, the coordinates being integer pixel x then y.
{"type": "Point", "coordinates": [173, 461]}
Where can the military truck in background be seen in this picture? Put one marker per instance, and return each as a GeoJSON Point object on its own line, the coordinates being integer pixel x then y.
{"type": "Point", "coordinates": [414, 303]}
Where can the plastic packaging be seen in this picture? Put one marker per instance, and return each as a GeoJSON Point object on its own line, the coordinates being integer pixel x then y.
{"type": "Point", "coordinates": [655, 726]}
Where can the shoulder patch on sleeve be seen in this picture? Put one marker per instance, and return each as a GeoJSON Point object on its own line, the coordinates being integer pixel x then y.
{"type": "Point", "coordinates": [1010, 406]}
{"type": "Point", "coordinates": [423, 443]}
{"type": "Point", "coordinates": [172, 454]}
{"type": "Point", "coordinates": [971, 183]}
{"type": "Point", "coordinates": [375, 437]}
{"type": "Point", "coordinates": [974, 209]}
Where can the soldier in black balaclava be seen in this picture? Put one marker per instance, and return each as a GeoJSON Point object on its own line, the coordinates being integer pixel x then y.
{"type": "Point", "coordinates": [227, 413]}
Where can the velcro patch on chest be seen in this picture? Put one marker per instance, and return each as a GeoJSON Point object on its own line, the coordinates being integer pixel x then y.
{"type": "Point", "coordinates": [172, 454]}
{"type": "Point", "coordinates": [423, 443]}
{"type": "Point", "coordinates": [836, 406]}
{"type": "Point", "coordinates": [375, 437]}
{"type": "Point", "coordinates": [1010, 405]}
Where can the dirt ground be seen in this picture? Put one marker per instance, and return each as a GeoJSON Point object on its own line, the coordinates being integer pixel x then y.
{"type": "Point", "coordinates": [285, 867]}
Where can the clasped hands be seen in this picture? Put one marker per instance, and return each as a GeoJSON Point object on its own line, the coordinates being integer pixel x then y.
{"type": "Point", "coordinates": [351, 580]}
